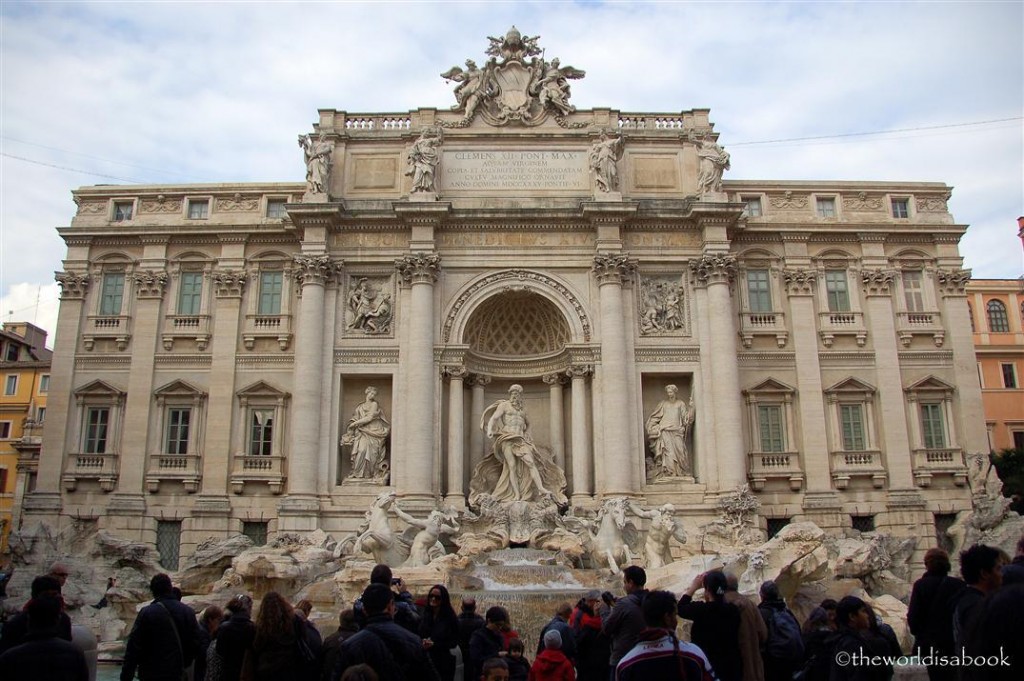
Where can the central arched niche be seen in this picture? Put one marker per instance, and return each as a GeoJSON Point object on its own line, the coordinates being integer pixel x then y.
{"type": "Point", "coordinates": [516, 324]}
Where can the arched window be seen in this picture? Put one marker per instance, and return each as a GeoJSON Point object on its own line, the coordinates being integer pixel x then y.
{"type": "Point", "coordinates": [997, 320]}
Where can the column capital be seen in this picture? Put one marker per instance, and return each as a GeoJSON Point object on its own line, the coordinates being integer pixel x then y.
{"type": "Point", "coordinates": [579, 370]}
{"type": "Point", "coordinates": [613, 269]}
{"type": "Point", "coordinates": [455, 371]}
{"type": "Point", "coordinates": [714, 268]}
{"type": "Point", "coordinates": [73, 285]}
{"type": "Point", "coordinates": [478, 380]}
{"type": "Point", "coordinates": [316, 269]}
{"type": "Point", "coordinates": [552, 379]}
{"type": "Point", "coordinates": [799, 282]}
{"type": "Point", "coordinates": [228, 283]}
{"type": "Point", "coordinates": [150, 284]}
{"type": "Point", "coordinates": [877, 282]}
{"type": "Point", "coordinates": [953, 282]}
{"type": "Point", "coordinates": [419, 268]}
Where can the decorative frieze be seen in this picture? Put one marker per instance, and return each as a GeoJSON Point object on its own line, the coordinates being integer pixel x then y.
{"type": "Point", "coordinates": [877, 282]}
{"type": "Point", "coordinates": [316, 269]}
{"type": "Point", "coordinates": [862, 201]}
{"type": "Point", "coordinates": [659, 355]}
{"type": "Point", "coordinates": [366, 356]}
{"type": "Point", "coordinates": [91, 207]}
{"type": "Point", "coordinates": [953, 282]}
{"type": "Point", "coordinates": [228, 283]}
{"type": "Point", "coordinates": [238, 204]}
{"type": "Point", "coordinates": [799, 282]}
{"type": "Point", "coordinates": [613, 269]}
{"type": "Point", "coordinates": [161, 204]}
{"type": "Point", "coordinates": [419, 268]}
{"type": "Point", "coordinates": [714, 269]}
{"type": "Point", "coordinates": [931, 204]}
{"type": "Point", "coordinates": [150, 284]}
{"type": "Point", "coordinates": [73, 286]}
{"type": "Point", "coordinates": [787, 201]}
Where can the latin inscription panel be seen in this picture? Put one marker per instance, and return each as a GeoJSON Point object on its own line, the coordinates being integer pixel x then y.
{"type": "Point", "coordinates": [511, 171]}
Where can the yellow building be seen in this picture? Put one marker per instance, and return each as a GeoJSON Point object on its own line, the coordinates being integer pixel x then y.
{"type": "Point", "coordinates": [25, 376]}
{"type": "Point", "coordinates": [997, 309]}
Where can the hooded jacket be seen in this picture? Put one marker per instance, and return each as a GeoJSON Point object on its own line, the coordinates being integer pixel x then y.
{"type": "Point", "coordinates": [552, 665]}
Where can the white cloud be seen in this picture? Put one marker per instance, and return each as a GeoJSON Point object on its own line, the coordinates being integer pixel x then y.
{"type": "Point", "coordinates": [217, 92]}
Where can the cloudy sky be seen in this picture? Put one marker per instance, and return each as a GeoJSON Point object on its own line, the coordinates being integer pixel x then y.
{"type": "Point", "coordinates": [160, 92]}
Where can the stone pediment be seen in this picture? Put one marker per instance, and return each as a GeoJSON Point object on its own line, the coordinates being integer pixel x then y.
{"type": "Point", "coordinates": [179, 388]}
{"type": "Point", "coordinates": [261, 389]}
{"type": "Point", "coordinates": [99, 388]}
{"type": "Point", "coordinates": [850, 385]}
{"type": "Point", "coordinates": [770, 385]}
{"type": "Point", "coordinates": [930, 384]}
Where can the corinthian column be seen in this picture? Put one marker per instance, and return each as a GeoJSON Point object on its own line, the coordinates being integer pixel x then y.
{"type": "Point", "coordinates": [456, 435]}
{"type": "Point", "coordinates": [715, 272]}
{"type": "Point", "coordinates": [582, 454]}
{"type": "Point", "coordinates": [611, 271]}
{"type": "Point", "coordinates": [312, 273]}
{"type": "Point", "coordinates": [420, 272]}
{"type": "Point", "coordinates": [476, 409]}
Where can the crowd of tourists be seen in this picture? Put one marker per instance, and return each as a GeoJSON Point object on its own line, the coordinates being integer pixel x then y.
{"type": "Point", "coordinates": [389, 635]}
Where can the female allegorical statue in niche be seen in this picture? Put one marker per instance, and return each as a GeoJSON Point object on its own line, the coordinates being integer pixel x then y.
{"type": "Point", "coordinates": [515, 469]}
{"type": "Point", "coordinates": [367, 435]}
{"type": "Point", "coordinates": [667, 429]}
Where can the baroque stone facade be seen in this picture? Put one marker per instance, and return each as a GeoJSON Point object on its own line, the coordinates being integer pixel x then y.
{"type": "Point", "coordinates": [217, 344]}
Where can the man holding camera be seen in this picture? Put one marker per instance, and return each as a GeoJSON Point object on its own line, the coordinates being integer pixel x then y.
{"type": "Point", "coordinates": [406, 614]}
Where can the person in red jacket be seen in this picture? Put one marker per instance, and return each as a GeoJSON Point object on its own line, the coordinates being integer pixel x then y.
{"type": "Point", "coordinates": [552, 664]}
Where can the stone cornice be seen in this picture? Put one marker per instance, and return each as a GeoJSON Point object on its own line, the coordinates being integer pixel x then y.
{"type": "Point", "coordinates": [666, 354]}
{"type": "Point", "coordinates": [366, 355]}
{"type": "Point", "coordinates": [419, 268]}
{"type": "Point", "coordinates": [416, 213]}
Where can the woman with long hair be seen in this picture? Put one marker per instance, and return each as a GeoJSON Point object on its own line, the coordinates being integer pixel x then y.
{"type": "Point", "coordinates": [716, 624]}
{"type": "Point", "coordinates": [440, 631]}
{"type": "Point", "coordinates": [274, 654]}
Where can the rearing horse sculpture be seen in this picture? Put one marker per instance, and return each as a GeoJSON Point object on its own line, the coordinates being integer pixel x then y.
{"type": "Point", "coordinates": [375, 535]}
{"type": "Point", "coordinates": [611, 543]}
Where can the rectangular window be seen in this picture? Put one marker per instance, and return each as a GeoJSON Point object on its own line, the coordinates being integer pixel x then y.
{"type": "Point", "coordinates": [3, 481]}
{"type": "Point", "coordinates": [122, 211]}
{"type": "Point", "coordinates": [774, 525]}
{"type": "Point", "coordinates": [759, 291]}
{"type": "Point", "coordinates": [913, 291]}
{"type": "Point", "coordinates": [770, 425]}
{"type": "Point", "coordinates": [198, 209]}
{"type": "Point", "coordinates": [852, 418]}
{"type": "Point", "coordinates": [5, 430]}
{"type": "Point", "coordinates": [261, 432]}
{"type": "Point", "coordinates": [753, 208]}
{"type": "Point", "coordinates": [44, 384]}
{"type": "Point", "coordinates": [863, 523]}
{"type": "Point", "coordinates": [271, 285]}
{"type": "Point", "coordinates": [835, 288]}
{"type": "Point", "coordinates": [901, 208]}
{"type": "Point", "coordinates": [11, 354]}
{"type": "Point", "coordinates": [11, 385]}
{"type": "Point", "coordinates": [97, 421]}
{"type": "Point", "coordinates": [932, 427]}
{"type": "Point", "coordinates": [826, 206]}
{"type": "Point", "coordinates": [1009, 375]}
{"type": "Point", "coordinates": [1018, 439]}
{"type": "Point", "coordinates": [256, 531]}
{"type": "Point", "coordinates": [178, 419]}
{"type": "Point", "coordinates": [276, 209]}
{"type": "Point", "coordinates": [40, 415]}
{"type": "Point", "coordinates": [190, 294]}
{"type": "Point", "coordinates": [168, 542]}
{"type": "Point", "coordinates": [112, 294]}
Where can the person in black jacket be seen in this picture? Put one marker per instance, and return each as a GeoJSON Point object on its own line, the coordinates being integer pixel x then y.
{"type": "Point", "coordinates": [164, 639]}
{"type": "Point", "coordinates": [469, 622]}
{"type": "Point", "coordinates": [439, 629]}
{"type": "Point", "coordinates": [930, 614]}
{"type": "Point", "coordinates": [44, 655]}
{"type": "Point", "coordinates": [488, 641]}
{"type": "Point", "coordinates": [347, 628]}
{"type": "Point", "coordinates": [234, 636]}
{"type": "Point", "coordinates": [15, 629]}
{"type": "Point", "coordinates": [778, 665]}
{"type": "Point", "coordinates": [393, 652]}
{"type": "Point", "coordinates": [851, 643]}
{"type": "Point", "coordinates": [716, 624]}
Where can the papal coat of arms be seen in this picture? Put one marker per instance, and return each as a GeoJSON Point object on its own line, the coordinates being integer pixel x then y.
{"type": "Point", "coordinates": [514, 84]}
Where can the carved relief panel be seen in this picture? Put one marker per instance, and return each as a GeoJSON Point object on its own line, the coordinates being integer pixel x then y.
{"type": "Point", "coordinates": [369, 305]}
{"type": "Point", "coordinates": [662, 306]}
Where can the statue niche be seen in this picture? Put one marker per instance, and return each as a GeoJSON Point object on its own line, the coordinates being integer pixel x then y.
{"type": "Point", "coordinates": [366, 438]}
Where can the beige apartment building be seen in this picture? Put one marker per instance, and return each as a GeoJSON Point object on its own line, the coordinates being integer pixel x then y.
{"type": "Point", "coordinates": [217, 343]}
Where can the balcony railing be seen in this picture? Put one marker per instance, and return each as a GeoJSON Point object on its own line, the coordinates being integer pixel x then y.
{"type": "Point", "coordinates": [763, 324]}
{"type": "Point", "coordinates": [192, 327]}
{"type": "Point", "coordinates": [858, 464]}
{"type": "Point", "coordinates": [258, 469]}
{"type": "Point", "coordinates": [832, 324]}
{"type": "Point", "coordinates": [765, 466]}
{"type": "Point", "coordinates": [101, 467]}
{"type": "Point", "coordinates": [278, 327]}
{"type": "Point", "coordinates": [929, 463]}
{"type": "Point", "coordinates": [114, 327]}
{"type": "Point", "coordinates": [183, 468]}
{"type": "Point", "coordinates": [910, 324]}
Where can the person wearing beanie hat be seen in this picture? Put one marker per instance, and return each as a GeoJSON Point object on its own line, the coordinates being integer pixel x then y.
{"type": "Point", "coordinates": [930, 613]}
{"type": "Point", "coordinates": [552, 664]}
{"type": "Point", "coordinates": [716, 624]}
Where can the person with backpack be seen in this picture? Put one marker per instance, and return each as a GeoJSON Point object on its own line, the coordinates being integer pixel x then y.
{"type": "Point", "coordinates": [784, 650]}
{"type": "Point", "coordinates": [930, 614]}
